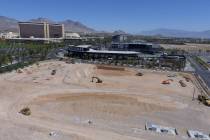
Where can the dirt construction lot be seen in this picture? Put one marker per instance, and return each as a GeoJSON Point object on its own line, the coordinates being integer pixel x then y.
{"type": "Point", "coordinates": [68, 106]}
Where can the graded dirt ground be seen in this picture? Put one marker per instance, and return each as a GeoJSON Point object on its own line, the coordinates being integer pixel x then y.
{"type": "Point", "coordinates": [68, 106]}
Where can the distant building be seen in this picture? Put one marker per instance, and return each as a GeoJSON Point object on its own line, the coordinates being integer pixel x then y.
{"type": "Point", "coordinates": [8, 35]}
{"type": "Point", "coordinates": [72, 35]}
{"type": "Point", "coordinates": [56, 30]}
{"type": "Point", "coordinates": [119, 38]}
{"type": "Point", "coordinates": [41, 30]}
{"type": "Point", "coordinates": [87, 52]}
{"type": "Point", "coordinates": [33, 30]}
{"type": "Point", "coordinates": [147, 48]}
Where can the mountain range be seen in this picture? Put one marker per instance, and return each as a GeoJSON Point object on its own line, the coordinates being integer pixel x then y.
{"type": "Point", "coordinates": [177, 33]}
{"type": "Point", "coordinates": [10, 24]}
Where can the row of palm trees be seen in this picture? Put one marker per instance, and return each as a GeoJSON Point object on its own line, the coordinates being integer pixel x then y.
{"type": "Point", "coordinates": [11, 53]}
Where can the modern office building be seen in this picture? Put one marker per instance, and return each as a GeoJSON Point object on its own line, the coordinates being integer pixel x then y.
{"type": "Point", "coordinates": [121, 43]}
{"type": "Point", "coordinates": [119, 38]}
{"type": "Point", "coordinates": [146, 48]}
{"type": "Point", "coordinates": [87, 52]}
{"type": "Point", "coordinates": [40, 30]}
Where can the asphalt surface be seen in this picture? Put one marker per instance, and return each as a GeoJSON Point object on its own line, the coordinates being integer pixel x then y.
{"type": "Point", "coordinates": [57, 53]}
{"type": "Point", "coordinates": [204, 74]}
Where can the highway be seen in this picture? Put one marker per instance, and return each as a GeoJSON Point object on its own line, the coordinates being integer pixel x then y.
{"type": "Point", "coordinates": [204, 74]}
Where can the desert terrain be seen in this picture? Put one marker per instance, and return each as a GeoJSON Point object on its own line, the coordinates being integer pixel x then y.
{"type": "Point", "coordinates": [69, 106]}
{"type": "Point", "coordinates": [188, 47]}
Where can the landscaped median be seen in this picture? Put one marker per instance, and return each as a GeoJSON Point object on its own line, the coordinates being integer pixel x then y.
{"type": "Point", "coordinates": [16, 66]}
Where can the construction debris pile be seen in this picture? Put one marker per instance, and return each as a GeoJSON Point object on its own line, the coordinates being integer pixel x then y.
{"type": "Point", "coordinates": [173, 131]}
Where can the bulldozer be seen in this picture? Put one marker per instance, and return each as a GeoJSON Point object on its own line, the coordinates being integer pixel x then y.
{"type": "Point", "coordinates": [204, 99]}
{"type": "Point", "coordinates": [139, 74]}
{"type": "Point", "coordinates": [167, 82]}
{"type": "Point", "coordinates": [98, 80]}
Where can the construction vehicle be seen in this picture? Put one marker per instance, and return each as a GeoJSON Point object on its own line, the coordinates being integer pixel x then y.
{"type": "Point", "coordinates": [25, 111]}
{"type": "Point", "coordinates": [53, 72]}
{"type": "Point", "coordinates": [182, 83]}
{"type": "Point", "coordinates": [139, 74]}
{"type": "Point", "coordinates": [98, 80]}
{"type": "Point", "coordinates": [187, 78]}
{"type": "Point", "coordinates": [167, 82]}
{"type": "Point", "coordinates": [204, 99]}
{"type": "Point", "coordinates": [172, 75]}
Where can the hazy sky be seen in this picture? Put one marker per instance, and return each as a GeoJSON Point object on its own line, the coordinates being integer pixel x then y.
{"type": "Point", "coordinates": [129, 15]}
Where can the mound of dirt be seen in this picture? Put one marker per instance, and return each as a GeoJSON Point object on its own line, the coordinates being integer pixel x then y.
{"type": "Point", "coordinates": [113, 71]}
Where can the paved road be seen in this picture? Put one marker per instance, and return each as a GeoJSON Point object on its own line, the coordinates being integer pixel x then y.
{"type": "Point", "coordinates": [57, 53]}
{"type": "Point", "coordinates": [204, 74]}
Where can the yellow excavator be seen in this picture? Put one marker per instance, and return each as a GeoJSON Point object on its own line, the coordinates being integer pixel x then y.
{"type": "Point", "coordinates": [204, 99]}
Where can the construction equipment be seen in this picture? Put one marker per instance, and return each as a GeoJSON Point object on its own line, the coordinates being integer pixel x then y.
{"type": "Point", "coordinates": [167, 82]}
{"type": "Point", "coordinates": [172, 75]}
{"type": "Point", "coordinates": [98, 80]}
{"type": "Point", "coordinates": [53, 72]}
{"type": "Point", "coordinates": [187, 78]}
{"type": "Point", "coordinates": [182, 83]}
{"type": "Point", "coordinates": [25, 111]}
{"type": "Point", "coordinates": [139, 74]}
{"type": "Point", "coordinates": [90, 122]}
{"type": "Point", "coordinates": [204, 99]}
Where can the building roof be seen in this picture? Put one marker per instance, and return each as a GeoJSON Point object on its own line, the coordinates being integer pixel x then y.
{"type": "Point", "coordinates": [72, 35]}
{"type": "Point", "coordinates": [41, 23]}
{"type": "Point", "coordinates": [36, 23]}
{"type": "Point", "coordinates": [112, 52]}
{"type": "Point", "coordinates": [84, 46]}
{"type": "Point", "coordinates": [37, 39]}
{"type": "Point", "coordinates": [138, 43]}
